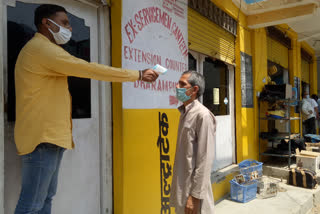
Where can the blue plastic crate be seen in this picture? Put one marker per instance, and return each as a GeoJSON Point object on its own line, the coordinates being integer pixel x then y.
{"type": "Point", "coordinates": [313, 137]}
{"type": "Point", "coordinates": [252, 1]}
{"type": "Point", "coordinates": [249, 165]}
{"type": "Point", "coordinates": [243, 192]}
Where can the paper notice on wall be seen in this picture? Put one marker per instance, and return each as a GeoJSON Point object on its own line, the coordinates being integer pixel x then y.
{"type": "Point", "coordinates": [154, 32]}
{"type": "Point", "coordinates": [216, 96]}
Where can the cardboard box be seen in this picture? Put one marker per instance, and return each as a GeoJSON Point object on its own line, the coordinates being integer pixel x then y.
{"type": "Point", "coordinates": [308, 162]}
{"type": "Point", "coordinates": [288, 91]}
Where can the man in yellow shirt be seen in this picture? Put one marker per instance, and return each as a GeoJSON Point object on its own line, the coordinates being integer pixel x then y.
{"type": "Point", "coordinates": [43, 127]}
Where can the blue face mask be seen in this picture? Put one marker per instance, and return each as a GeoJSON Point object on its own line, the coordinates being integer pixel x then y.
{"type": "Point", "coordinates": [181, 94]}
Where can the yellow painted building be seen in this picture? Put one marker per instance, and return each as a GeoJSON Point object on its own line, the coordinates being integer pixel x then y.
{"type": "Point", "coordinates": [221, 41]}
{"type": "Point", "coordinates": [136, 156]}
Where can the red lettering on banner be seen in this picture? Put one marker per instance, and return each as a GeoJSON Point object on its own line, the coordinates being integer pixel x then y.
{"type": "Point", "coordinates": [139, 21]}
{"type": "Point", "coordinates": [142, 85]}
{"type": "Point", "coordinates": [160, 85]}
{"type": "Point", "coordinates": [148, 86]}
{"type": "Point", "coordinates": [157, 14]}
{"type": "Point", "coordinates": [151, 15]}
{"type": "Point", "coordinates": [166, 87]}
{"type": "Point", "coordinates": [130, 53]}
{"type": "Point", "coordinates": [175, 65]}
{"type": "Point", "coordinates": [128, 33]}
{"type": "Point", "coordinates": [167, 5]}
{"type": "Point", "coordinates": [145, 17]}
{"type": "Point", "coordinates": [132, 32]}
{"type": "Point", "coordinates": [140, 56]}
{"type": "Point", "coordinates": [154, 86]}
{"type": "Point", "coordinates": [180, 39]}
{"type": "Point", "coordinates": [125, 52]}
{"type": "Point", "coordinates": [136, 84]}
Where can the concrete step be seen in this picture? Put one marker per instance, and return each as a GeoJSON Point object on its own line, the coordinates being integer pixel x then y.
{"type": "Point", "coordinates": [292, 200]}
{"type": "Point", "coordinates": [279, 169]}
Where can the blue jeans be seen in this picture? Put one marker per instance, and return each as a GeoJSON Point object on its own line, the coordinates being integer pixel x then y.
{"type": "Point", "coordinates": [40, 171]}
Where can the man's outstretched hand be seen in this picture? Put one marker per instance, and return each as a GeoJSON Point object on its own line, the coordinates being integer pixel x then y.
{"type": "Point", "coordinates": [149, 75]}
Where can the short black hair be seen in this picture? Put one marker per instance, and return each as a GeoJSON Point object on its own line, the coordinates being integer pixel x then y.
{"type": "Point", "coordinates": [315, 97]}
{"type": "Point", "coordinates": [46, 11]}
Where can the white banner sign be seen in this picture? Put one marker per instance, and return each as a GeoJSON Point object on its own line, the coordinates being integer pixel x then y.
{"type": "Point", "coordinates": [154, 32]}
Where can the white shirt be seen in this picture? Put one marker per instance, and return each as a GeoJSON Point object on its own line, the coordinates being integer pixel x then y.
{"type": "Point", "coordinates": [314, 104]}
{"type": "Point", "coordinates": [306, 107]}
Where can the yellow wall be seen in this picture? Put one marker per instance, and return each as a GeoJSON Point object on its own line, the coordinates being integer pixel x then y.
{"type": "Point", "coordinates": [141, 155]}
{"type": "Point", "coordinates": [247, 146]}
{"type": "Point", "coordinates": [312, 68]}
{"type": "Point", "coordinates": [118, 147]}
{"type": "Point", "coordinates": [135, 152]}
{"type": "Point", "coordinates": [305, 71]}
{"type": "Point", "coordinates": [278, 53]}
{"type": "Point", "coordinates": [250, 148]}
{"type": "Point", "coordinates": [136, 161]}
{"type": "Point", "coordinates": [208, 38]}
{"type": "Point", "coordinates": [295, 71]}
{"type": "Point", "coordinates": [313, 76]}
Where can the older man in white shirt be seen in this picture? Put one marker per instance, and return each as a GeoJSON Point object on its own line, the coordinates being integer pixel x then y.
{"type": "Point", "coordinates": [191, 191]}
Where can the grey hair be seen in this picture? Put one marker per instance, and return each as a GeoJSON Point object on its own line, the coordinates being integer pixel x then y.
{"type": "Point", "coordinates": [196, 79]}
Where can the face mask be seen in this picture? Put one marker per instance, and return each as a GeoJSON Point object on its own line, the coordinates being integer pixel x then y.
{"type": "Point", "coordinates": [308, 96]}
{"type": "Point", "coordinates": [181, 94]}
{"type": "Point", "coordinates": [61, 37]}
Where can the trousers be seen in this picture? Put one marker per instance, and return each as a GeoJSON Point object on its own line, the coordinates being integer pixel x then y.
{"type": "Point", "coordinates": [40, 170]}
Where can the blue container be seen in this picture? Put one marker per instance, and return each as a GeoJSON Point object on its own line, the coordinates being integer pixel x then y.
{"type": "Point", "coordinates": [294, 96]}
{"type": "Point", "coordinates": [275, 116]}
{"type": "Point", "coordinates": [313, 137]}
{"type": "Point", "coordinates": [243, 192]}
{"type": "Point", "coordinates": [252, 1]}
{"type": "Point", "coordinates": [249, 165]}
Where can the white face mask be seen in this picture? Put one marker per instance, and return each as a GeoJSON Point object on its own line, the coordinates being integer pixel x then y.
{"type": "Point", "coordinates": [61, 37]}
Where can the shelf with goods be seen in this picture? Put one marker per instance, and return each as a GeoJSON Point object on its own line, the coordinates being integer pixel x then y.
{"type": "Point", "coordinates": [275, 137]}
{"type": "Point", "coordinates": [291, 118]}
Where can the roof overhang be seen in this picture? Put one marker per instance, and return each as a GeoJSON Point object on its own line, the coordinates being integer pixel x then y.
{"type": "Point", "coordinates": [280, 16]}
{"type": "Point", "coordinates": [302, 17]}
{"type": "Point", "coordinates": [96, 2]}
{"type": "Point", "coordinates": [270, 5]}
{"type": "Point", "coordinates": [272, 12]}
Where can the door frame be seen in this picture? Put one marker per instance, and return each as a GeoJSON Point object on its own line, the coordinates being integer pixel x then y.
{"type": "Point", "coordinates": [200, 59]}
{"type": "Point", "coordinates": [106, 128]}
{"type": "Point", "coordinates": [2, 69]}
{"type": "Point", "coordinates": [104, 97]}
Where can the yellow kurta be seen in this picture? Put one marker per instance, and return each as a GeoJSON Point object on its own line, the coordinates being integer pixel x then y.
{"type": "Point", "coordinates": [43, 102]}
{"type": "Point", "coordinates": [194, 157]}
